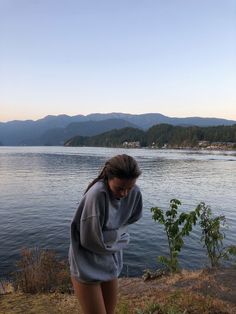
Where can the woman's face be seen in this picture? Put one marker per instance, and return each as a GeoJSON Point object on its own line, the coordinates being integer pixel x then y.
{"type": "Point", "coordinates": [120, 187]}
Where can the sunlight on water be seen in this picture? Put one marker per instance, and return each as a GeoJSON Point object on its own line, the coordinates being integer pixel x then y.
{"type": "Point", "coordinates": [40, 188]}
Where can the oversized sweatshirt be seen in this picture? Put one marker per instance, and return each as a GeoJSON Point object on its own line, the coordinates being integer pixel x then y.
{"type": "Point", "coordinates": [99, 233]}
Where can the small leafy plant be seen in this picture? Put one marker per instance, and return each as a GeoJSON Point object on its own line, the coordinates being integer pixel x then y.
{"type": "Point", "coordinates": [177, 225]}
{"type": "Point", "coordinates": [213, 236]}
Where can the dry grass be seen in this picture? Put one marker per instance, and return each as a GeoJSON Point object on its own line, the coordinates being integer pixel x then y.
{"type": "Point", "coordinates": [41, 271]}
{"type": "Point", "coordinates": [158, 301]}
{"type": "Point", "coordinates": [50, 303]}
{"type": "Point", "coordinates": [175, 303]}
{"type": "Point", "coordinates": [188, 292]}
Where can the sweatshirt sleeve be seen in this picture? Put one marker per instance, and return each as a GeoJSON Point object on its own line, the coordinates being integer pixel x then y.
{"type": "Point", "coordinates": [92, 238]}
{"type": "Point", "coordinates": [137, 211]}
{"type": "Point", "coordinates": [91, 233]}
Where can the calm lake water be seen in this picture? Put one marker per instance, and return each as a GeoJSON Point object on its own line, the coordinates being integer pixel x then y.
{"type": "Point", "coordinates": [40, 188]}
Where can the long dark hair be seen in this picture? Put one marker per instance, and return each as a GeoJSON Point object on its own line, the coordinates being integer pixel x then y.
{"type": "Point", "coordinates": [120, 166]}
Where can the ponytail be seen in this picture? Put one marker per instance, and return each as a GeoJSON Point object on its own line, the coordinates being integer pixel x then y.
{"type": "Point", "coordinates": [102, 175]}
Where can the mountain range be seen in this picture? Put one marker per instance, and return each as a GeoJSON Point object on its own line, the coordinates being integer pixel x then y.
{"type": "Point", "coordinates": [55, 130]}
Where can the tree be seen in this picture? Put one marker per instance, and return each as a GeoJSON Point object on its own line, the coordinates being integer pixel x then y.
{"type": "Point", "coordinates": [177, 226]}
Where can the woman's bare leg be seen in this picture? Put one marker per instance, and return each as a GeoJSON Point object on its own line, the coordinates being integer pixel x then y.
{"type": "Point", "coordinates": [90, 297]}
{"type": "Point", "coordinates": [110, 291]}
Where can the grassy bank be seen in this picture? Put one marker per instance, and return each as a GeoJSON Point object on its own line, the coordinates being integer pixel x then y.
{"type": "Point", "coordinates": [205, 291]}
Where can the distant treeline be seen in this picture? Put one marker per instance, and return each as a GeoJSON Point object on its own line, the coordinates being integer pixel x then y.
{"type": "Point", "coordinates": [161, 135]}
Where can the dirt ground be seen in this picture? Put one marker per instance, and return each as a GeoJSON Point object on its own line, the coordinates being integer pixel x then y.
{"type": "Point", "coordinates": [217, 285]}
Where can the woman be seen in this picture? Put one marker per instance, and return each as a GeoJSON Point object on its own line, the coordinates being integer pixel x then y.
{"type": "Point", "coordinates": [99, 233]}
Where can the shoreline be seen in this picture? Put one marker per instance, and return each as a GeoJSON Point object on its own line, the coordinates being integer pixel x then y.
{"type": "Point", "coordinates": [119, 147]}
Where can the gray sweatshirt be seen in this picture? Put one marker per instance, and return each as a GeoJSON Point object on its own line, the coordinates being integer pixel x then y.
{"type": "Point", "coordinates": [99, 233]}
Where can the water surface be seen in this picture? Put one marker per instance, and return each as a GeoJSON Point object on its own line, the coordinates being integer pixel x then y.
{"type": "Point", "coordinates": [40, 188]}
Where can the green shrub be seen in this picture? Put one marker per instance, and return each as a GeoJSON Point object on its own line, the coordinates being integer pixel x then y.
{"type": "Point", "coordinates": [213, 236]}
{"type": "Point", "coordinates": [177, 225]}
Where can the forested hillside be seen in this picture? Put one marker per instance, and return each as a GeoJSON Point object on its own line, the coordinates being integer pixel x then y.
{"type": "Point", "coordinates": [161, 135]}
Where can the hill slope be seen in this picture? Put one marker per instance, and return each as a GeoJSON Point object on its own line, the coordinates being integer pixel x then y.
{"type": "Point", "coordinates": [57, 136]}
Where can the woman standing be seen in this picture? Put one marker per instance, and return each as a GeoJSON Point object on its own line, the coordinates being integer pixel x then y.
{"type": "Point", "coordinates": [99, 234]}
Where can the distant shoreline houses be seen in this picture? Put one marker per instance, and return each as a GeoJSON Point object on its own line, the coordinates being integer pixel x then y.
{"type": "Point", "coordinates": [135, 144]}
{"type": "Point", "coordinates": [217, 145]}
{"type": "Point", "coordinates": [201, 145]}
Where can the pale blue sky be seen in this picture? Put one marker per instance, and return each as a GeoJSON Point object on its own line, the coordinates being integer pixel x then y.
{"type": "Point", "coordinates": [175, 57]}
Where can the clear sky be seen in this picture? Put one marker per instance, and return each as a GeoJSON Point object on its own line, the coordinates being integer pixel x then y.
{"type": "Point", "coordinates": [175, 57]}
